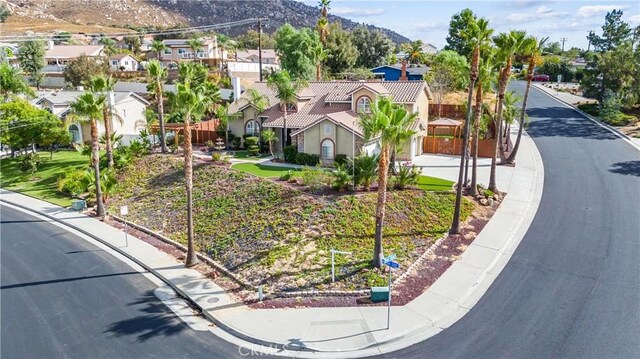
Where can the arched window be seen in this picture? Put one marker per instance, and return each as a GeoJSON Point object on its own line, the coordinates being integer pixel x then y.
{"type": "Point", "coordinates": [252, 128]}
{"type": "Point", "coordinates": [327, 149]}
{"type": "Point", "coordinates": [363, 105]}
{"type": "Point", "coordinates": [290, 107]}
{"type": "Point", "coordinates": [75, 133]}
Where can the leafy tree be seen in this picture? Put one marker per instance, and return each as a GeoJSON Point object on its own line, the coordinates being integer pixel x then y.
{"type": "Point", "coordinates": [373, 47]}
{"type": "Point", "coordinates": [286, 91]}
{"type": "Point", "coordinates": [4, 12]}
{"type": "Point", "coordinates": [31, 57]}
{"type": "Point", "coordinates": [88, 108]}
{"type": "Point", "coordinates": [553, 48]}
{"type": "Point", "coordinates": [572, 53]}
{"type": "Point", "coordinates": [532, 49]}
{"type": "Point", "coordinates": [158, 75]}
{"type": "Point", "coordinates": [80, 70]}
{"type": "Point", "coordinates": [11, 83]}
{"type": "Point", "coordinates": [455, 40]}
{"type": "Point", "coordinates": [23, 125]}
{"type": "Point", "coordinates": [477, 35]}
{"type": "Point", "coordinates": [388, 122]}
{"type": "Point", "coordinates": [62, 38]}
{"type": "Point", "coordinates": [133, 42]}
{"type": "Point", "coordinates": [614, 32]}
{"type": "Point", "coordinates": [341, 53]}
{"type": "Point", "coordinates": [615, 70]}
{"type": "Point", "coordinates": [55, 135]}
{"type": "Point", "coordinates": [109, 46]}
{"type": "Point", "coordinates": [296, 51]}
{"type": "Point", "coordinates": [249, 40]}
{"type": "Point", "coordinates": [194, 99]}
{"type": "Point", "coordinates": [454, 63]}
{"type": "Point", "coordinates": [555, 65]}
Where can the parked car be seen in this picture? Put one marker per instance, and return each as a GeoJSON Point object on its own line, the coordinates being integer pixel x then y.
{"type": "Point", "coordinates": [541, 78]}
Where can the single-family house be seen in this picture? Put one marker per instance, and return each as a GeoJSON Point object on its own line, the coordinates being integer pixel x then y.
{"type": "Point", "coordinates": [323, 119]}
{"type": "Point", "coordinates": [123, 62]}
{"type": "Point", "coordinates": [127, 106]}
{"type": "Point", "coordinates": [179, 50]}
{"type": "Point", "coordinates": [269, 56]}
{"type": "Point", "coordinates": [61, 55]}
{"type": "Point", "coordinates": [400, 72]}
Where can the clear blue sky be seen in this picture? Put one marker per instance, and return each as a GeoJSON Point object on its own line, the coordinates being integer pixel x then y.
{"type": "Point", "coordinates": [429, 20]}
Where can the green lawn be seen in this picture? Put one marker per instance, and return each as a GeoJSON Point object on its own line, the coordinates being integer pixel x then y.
{"type": "Point", "coordinates": [42, 184]}
{"type": "Point", "coordinates": [244, 155]}
{"type": "Point", "coordinates": [259, 170]}
{"type": "Point", "coordinates": [434, 184]}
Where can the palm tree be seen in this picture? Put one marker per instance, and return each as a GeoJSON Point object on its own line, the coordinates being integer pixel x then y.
{"type": "Point", "coordinates": [388, 122]}
{"type": "Point", "coordinates": [88, 107]}
{"type": "Point", "coordinates": [194, 102]}
{"type": "Point", "coordinates": [104, 85]}
{"type": "Point", "coordinates": [325, 5]}
{"type": "Point", "coordinates": [196, 45]}
{"type": "Point", "coordinates": [319, 56]}
{"type": "Point", "coordinates": [158, 75]}
{"type": "Point", "coordinates": [109, 46]}
{"type": "Point", "coordinates": [477, 35]}
{"type": "Point", "coordinates": [11, 83]}
{"type": "Point", "coordinates": [323, 29]}
{"type": "Point", "coordinates": [508, 44]}
{"type": "Point", "coordinates": [533, 50]}
{"type": "Point", "coordinates": [158, 46]}
{"type": "Point", "coordinates": [414, 51]}
{"type": "Point", "coordinates": [269, 136]}
{"type": "Point", "coordinates": [286, 91]}
{"type": "Point", "coordinates": [257, 100]}
{"type": "Point", "coordinates": [483, 83]}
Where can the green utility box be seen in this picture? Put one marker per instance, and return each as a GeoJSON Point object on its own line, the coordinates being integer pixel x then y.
{"type": "Point", "coordinates": [78, 205]}
{"type": "Point", "coordinates": [379, 294]}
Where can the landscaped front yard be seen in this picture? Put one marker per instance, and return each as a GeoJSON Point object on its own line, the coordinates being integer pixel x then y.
{"type": "Point", "coordinates": [272, 234]}
{"type": "Point", "coordinates": [42, 184]}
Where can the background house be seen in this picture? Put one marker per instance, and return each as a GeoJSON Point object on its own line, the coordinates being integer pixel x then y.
{"type": "Point", "coordinates": [128, 107]}
{"type": "Point", "coordinates": [179, 50]}
{"type": "Point", "coordinates": [269, 56]}
{"type": "Point", "coordinates": [123, 62]}
{"type": "Point", "coordinates": [60, 55]}
{"type": "Point", "coordinates": [395, 72]}
{"type": "Point", "coordinates": [323, 119]}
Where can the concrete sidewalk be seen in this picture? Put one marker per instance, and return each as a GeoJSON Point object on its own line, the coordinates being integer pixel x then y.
{"type": "Point", "coordinates": [337, 332]}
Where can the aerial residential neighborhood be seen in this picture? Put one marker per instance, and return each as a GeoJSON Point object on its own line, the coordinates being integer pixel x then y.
{"type": "Point", "coordinates": [319, 179]}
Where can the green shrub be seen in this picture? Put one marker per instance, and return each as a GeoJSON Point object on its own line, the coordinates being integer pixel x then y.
{"type": "Point", "coordinates": [137, 148]}
{"type": "Point", "coordinates": [251, 143]}
{"type": "Point", "coordinates": [407, 176]}
{"type": "Point", "coordinates": [236, 142]}
{"type": "Point", "coordinates": [340, 160]}
{"type": "Point", "coordinates": [210, 145]}
{"type": "Point", "coordinates": [306, 159]}
{"type": "Point", "coordinates": [290, 153]}
{"type": "Point", "coordinates": [286, 176]}
{"type": "Point", "coordinates": [342, 179]}
{"type": "Point", "coordinates": [488, 193]}
{"type": "Point", "coordinates": [366, 170]}
{"type": "Point", "coordinates": [590, 108]}
{"type": "Point", "coordinates": [173, 147]}
{"type": "Point", "coordinates": [75, 182]}
{"type": "Point", "coordinates": [30, 162]}
{"type": "Point", "coordinates": [315, 178]}
{"type": "Point", "coordinates": [216, 157]}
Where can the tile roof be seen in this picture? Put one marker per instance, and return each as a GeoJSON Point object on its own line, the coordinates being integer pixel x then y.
{"type": "Point", "coordinates": [73, 51]}
{"type": "Point", "coordinates": [65, 97]}
{"type": "Point", "coordinates": [328, 102]}
{"type": "Point", "coordinates": [266, 53]}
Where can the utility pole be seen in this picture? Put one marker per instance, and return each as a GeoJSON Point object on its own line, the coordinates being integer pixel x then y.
{"type": "Point", "coordinates": [260, 47]}
{"type": "Point", "coordinates": [563, 40]}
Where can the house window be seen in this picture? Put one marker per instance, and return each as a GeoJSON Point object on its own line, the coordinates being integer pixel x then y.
{"type": "Point", "coordinates": [75, 133]}
{"type": "Point", "coordinates": [363, 105]}
{"type": "Point", "coordinates": [327, 128]}
{"type": "Point", "coordinates": [291, 107]}
{"type": "Point", "coordinates": [114, 63]}
{"type": "Point", "coordinates": [327, 149]}
{"type": "Point", "coordinates": [181, 51]}
{"type": "Point", "coordinates": [167, 52]}
{"type": "Point", "coordinates": [252, 128]}
{"type": "Point", "coordinates": [126, 62]}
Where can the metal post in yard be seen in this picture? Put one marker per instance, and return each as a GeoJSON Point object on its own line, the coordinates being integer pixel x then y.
{"type": "Point", "coordinates": [389, 302]}
{"type": "Point", "coordinates": [333, 266]}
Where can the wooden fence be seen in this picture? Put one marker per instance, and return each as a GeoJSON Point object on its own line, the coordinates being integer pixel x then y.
{"type": "Point", "coordinates": [455, 112]}
{"type": "Point", "coordinates": [453, 146]}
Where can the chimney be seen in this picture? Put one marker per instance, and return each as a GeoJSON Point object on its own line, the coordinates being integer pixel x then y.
{"type": "Point", "coordinates": [403, 72]}
{"type": "Point", "coordinates": [237, 88]}
{"type": "Point", "coordinates": [50, 44]}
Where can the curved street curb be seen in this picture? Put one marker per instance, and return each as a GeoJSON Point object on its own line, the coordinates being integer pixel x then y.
{"type": "Point", "coordinates": [181, 293]}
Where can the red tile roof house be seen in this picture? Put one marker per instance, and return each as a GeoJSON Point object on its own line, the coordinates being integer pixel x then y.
{"type": "Point", "coordinates": [324, 118]}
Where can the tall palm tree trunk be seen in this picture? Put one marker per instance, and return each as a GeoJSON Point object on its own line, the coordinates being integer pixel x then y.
{"type": "Point", "coordinates": [381, 204]}
{"type": "Point", "coordinates": [318, 71]}
{"type": "Point", "coordinates": [516, 146]}
{"type": "Point", "coordinates": [107, 135]}
{"type": "Point", "coordinates": [159, 98]}
{"type": "Point", "coordinates": [476, 134]}
{"type": "Point", "coordinates": [95, 162]}
{"type": "Point", "coordinates": [503, 89]}
{"type": "Point", "coordinates": [284, 129]}
{"type": "Point", "coordinates": [192, 258]}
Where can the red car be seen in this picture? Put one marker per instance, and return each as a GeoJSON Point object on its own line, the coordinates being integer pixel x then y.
{"type": "Point", "coordinates": [541, 78]}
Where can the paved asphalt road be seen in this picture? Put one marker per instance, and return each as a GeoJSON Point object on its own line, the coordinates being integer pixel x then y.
{"type": "Point", "coordinates": [63, 297]}
{"type": "Point", "coordinates": [572, 288]}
